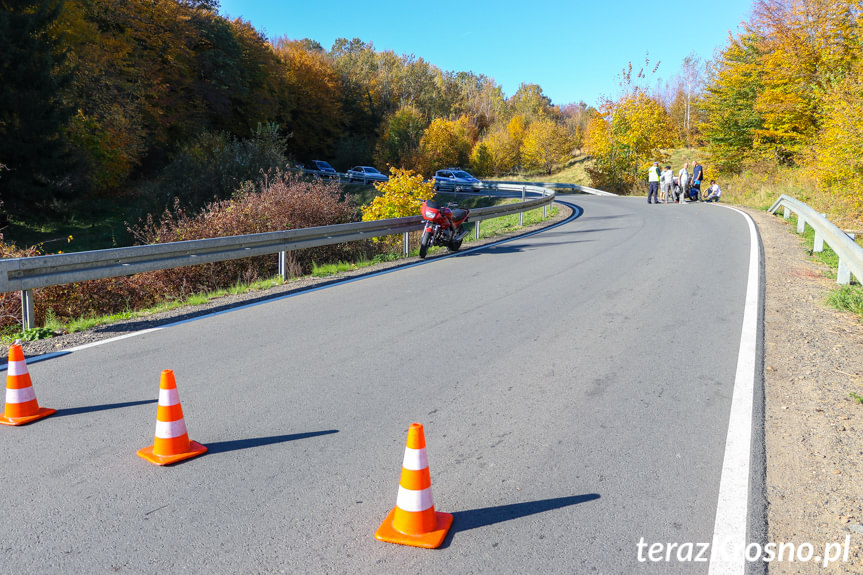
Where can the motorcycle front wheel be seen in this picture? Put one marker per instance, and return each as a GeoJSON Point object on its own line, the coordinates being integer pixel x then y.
{"type": "Point", "coordinates": [425, 241]}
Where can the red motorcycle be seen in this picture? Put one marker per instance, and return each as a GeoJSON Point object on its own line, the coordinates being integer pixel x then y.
{"type": "Point", "coordinates": [444, 226]}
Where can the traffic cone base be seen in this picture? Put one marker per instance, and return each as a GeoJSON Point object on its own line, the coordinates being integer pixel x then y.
{"type": "Point", "coordinates": [414, 521]}
{"type": "Point", "coordinates": [171, 441]}
{"type": "Point", "coordinates": [430, 539]}
{"type": "Point", "coordinates": [21, 405]}
{"type": "Point", "coordinates": [195, 449]}
{"type": "Point", "coordinates": [43, 412]}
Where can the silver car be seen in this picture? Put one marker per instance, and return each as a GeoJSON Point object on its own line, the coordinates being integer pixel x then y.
{"type": "Point", "coordinates": [455, 179]}
{"type": "Point", "coordinates": [366, 174]}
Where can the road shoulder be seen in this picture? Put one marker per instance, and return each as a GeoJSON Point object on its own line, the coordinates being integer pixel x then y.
{"type": "Point", "coordinates": [813, 427]}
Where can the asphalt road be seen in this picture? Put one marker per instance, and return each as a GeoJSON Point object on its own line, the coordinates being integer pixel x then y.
{"type": "Point", "coordinates": [574, 385]}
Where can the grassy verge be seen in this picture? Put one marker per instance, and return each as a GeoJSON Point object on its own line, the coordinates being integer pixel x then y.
{"type": "Point", "coordinates": [54, 327]}
{"type": "Point", "coordinates": [572, 173]}
{"type": "Point", "coordinates": [847, 297]}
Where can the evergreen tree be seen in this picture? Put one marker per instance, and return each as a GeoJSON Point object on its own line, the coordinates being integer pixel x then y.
{"type": "Point", "coordinates": [32, 114]}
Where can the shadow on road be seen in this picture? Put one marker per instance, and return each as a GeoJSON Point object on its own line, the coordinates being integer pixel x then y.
{"type": "Point", "coordinates": [465, 520]}
{"type": "Point", "coordinates": [236, 444]}
{"type": "Point", "coordinates": [103, 407]}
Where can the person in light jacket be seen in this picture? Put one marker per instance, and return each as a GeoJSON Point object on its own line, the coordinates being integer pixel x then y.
{"type": "Point", "coordinates": [683, 181]}
{"type": "Point", "coordinates": [666, 180]}
{"type": "Point", "coordinates": [653, 182]}
{"type": "Point", "coordinates": [713, 192]}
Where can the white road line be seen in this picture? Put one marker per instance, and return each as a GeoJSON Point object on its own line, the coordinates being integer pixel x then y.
{"type": "Point", "coordinates": [727, 552]}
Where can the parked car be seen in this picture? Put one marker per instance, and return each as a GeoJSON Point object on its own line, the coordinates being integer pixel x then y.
{"type": "Point", "coordinates": [455, 179]}
{"type": "Point", "coordinates": [320, 168]}
{"type": "Point", "coordinates": [366, 174]}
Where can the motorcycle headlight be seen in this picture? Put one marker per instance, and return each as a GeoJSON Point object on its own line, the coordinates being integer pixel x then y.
{"type": "Point", "coordinates": [430, 215]}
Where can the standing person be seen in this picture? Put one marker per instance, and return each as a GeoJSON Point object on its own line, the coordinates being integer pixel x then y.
{"type": "Point", "coordinates": [653, 182]}
{"type": "Point", "coordinates": [713, 192]}
{"type": "Point", "coordinates": [683, 181]}
{"type": "Point", "coordinates": [666, 180]}
{"type": "Point", "coordinates": [697, 176]}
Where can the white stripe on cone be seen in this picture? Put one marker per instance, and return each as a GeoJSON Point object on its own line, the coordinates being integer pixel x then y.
{"type": "Point", "coordinates": [168, 397]}
{"type": "Point", "coordinates": [411, 500]}
{"type": "Point", "coordinates": [17, 368]}
{"type": "Point", "coordinates": [170, 429]}
{"type": "Point", "coordinates": [415, 459]}
{"type": "Point", "coordinates": [20, 395]}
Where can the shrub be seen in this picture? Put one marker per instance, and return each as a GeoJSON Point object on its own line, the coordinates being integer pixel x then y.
{"type": "Point", "coordinates": [401, 196]}
{"type": "Point", "coordinates": [276, 203]}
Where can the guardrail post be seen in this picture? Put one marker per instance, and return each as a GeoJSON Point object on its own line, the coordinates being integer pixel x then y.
{"type": "Point", "coordinates": [801, 224]}
{"type": "Point", "coordinates": [28, 314]}
{"type": "Point", "coordinates": [818, 243]}
{"type": "Point", "coordinates": [843, 274]}
{"type": "Point", "coordinates": [521, 214]}
{"type": "Point", "coordinates": [476, 230]}
{"type": "Point", "coordinates": [545, 211]}
{"type": "Point", "coordinates": [407, 247]}
{"type": "Point", "coordinates": [786, 212]}
{"type": "Point", "coordinates": [283, 265]}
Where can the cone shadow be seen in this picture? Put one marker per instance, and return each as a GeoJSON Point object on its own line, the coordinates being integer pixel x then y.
{"type": "Point", "coordinates": [103, 407]}
{"type": "Point", "coordinates": [471, 519]}
{"type": "Point", "coordinates": [237, 444]}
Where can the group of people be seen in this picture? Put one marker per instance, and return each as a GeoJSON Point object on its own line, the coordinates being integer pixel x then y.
{"type": "Point", "coordinates": [666, 188]}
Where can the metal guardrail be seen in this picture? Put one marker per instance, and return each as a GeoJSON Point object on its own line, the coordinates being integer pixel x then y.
{"type": "Point", "coordinates": [26, 274]}
{"type": "Point", "coordinates": [850, 254]}
{"type": "Point", "coordinates": [560, 186]}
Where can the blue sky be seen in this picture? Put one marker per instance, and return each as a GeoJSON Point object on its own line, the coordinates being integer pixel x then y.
{"type": "Point", "coordinates": [575, 50]}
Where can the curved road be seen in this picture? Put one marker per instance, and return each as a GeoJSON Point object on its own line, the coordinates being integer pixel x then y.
{"type": "Point", "coordinates": [575, 387]}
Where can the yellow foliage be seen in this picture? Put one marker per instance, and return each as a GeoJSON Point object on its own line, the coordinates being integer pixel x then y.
{"type": "Point", "coordinates": [401, 196]}
{"type": "Point", "coordinates": [546, 145]}
{"type": "Point", "coordinates": [631, 134]}
{"type": "Point", "coordinates": [835, 160]}
{"type": "Point", "coordinates": [502, 150]}
{"type": "Point", "coordinates": [447, 143]}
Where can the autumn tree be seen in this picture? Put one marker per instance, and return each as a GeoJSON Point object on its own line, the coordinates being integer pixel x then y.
{"type": "Point", "coordinates": [314, 117]}
{"type": "Point", "coordinates": [575, 118]}
{"type": "Point", "coordinates": [805, 47]}
{"type": "Point", "coordinates": [835, 159]}
{"type": "Point", "coordinates": [546, 145]}
{"type": "Point", "coordinates": [499, 152]}
{"type": "Point", "coordinates": [624, 139]}
{"type": "Point", "coordinates": [531, 103]}
{"type": "Point", "coordinates": [446, 143]}
{"type": "Point", "coordinates": [481, 160]}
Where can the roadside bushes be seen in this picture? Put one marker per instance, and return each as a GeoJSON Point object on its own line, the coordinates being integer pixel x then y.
{"type": "Point", "coordinates": [278, 202]}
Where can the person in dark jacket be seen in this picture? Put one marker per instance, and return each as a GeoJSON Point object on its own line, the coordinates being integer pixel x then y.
{"type": "Point", "coordinates": [697, 176]}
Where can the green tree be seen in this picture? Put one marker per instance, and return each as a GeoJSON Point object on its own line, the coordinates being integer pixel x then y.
{"type": "Point", "coordinates": [400, 142]}
{"type": "Point", "coordinates": [731, 118]}
{"type": "Point", "coordinates": [32, 109]}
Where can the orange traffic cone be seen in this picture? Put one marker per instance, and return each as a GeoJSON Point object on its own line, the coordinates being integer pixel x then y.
{"type": "Point", "coordinates": [413, 521]}
{"type": "Point", "coordinates": [171, 443]}
{"type": "Point", "coordinates": [21, 404]}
